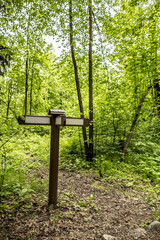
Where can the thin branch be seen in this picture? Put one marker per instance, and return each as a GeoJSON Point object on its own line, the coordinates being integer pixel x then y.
{"type": "Point", "coordinates": [10, 138]}
{"type": "Point", "coordinates": [134, 122]}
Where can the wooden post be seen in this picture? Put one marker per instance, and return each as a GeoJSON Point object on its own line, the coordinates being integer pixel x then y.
{"type": "Point", "coordinates": [54, 154]}
{"type": "Point", "coordinates": [56, 119]}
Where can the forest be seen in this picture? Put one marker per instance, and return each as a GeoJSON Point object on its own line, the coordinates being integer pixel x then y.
{"type": "Point", "coordinates": [93, 59]}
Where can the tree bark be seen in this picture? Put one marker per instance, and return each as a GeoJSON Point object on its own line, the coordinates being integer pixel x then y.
{"type": "Point", "coordinates": [115, 127]}
{"type": "Point", "coordinates": [134, 123]}
{"type": "Point", "coordinates": [77, 79]}
{"type": "Point", "coordinates": [156, 88]}
{"type": "Point", "coordinates": [31, 91]}
{"type": "Point", "coordinates": [90, 85]}
{"type": "Point", "coordinates": [26, 87]}
{"type": "Point", "coordinates": [9, 99]}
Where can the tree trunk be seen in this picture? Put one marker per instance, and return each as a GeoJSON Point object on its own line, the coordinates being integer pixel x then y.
{"type": "Point", "coordinates": [90, 85]}
{"type": "Point", "coordinates": [156, 88]}
{"type": "Point", "coordinates": [77, 79]}
{"type": "Point", "coordinates": [31, 88]}
{"type": "Point", "coordinates": [155, 61]}
{"type": "Point", "coordinates": [134, 123]}
{"type": "Point", "coordinates": [9, 99]}
{"type": "Point", "coordinates": [115, 127]}
{"type": "Point", "coordinates": [26, 87]}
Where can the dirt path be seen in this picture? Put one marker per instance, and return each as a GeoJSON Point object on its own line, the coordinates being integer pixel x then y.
{"type": "Point", "coordinates": [88, 209]}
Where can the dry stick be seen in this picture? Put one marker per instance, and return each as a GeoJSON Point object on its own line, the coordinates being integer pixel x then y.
{"type": "Point", "coordinates": [77, 79]}
{"type": "Point", "coordinates": [134, 123]}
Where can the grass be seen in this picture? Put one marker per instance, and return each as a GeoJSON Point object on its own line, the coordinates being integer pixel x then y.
{"type": "Point", "coordinates": [23, 158]}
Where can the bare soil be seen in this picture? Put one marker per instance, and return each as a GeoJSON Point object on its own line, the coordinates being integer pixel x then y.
{"type": "Point", "coordinates": [88, 208]}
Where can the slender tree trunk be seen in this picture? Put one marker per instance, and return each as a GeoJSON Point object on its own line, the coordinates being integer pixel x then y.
{"type": "Point", "coordinates": [31, 91]}
{"type": "Point", "coordinates": [156, 81]}
{"type": "Point", "coordinates": [154, 56]}
{"type": "Point", "coordinates": [8, 104]}
{"type": "Point", "coordinates": [27, 68]}
{"type": "Point", "coordinates": [115, 127]}
{"type": "Point", "coordinates": [9, 99]}
{"type": "Point", "coordinates": [26, 86]}
{"type": "Point", "coordinates": [156, 87]}
{"type": "Point", "coordinates": [77, 79]}
{"type": "Point", "coordinates": [90, 85]}
{"type": "Point", "coordinates": [95, 140]}
{"type": "Point", "coordinates": [134, 123]}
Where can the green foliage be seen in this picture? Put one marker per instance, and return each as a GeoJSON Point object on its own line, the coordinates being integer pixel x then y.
{"type": "Point", "coordinates": [18, 159]}
{"type": "Point", "coordinates": [126, 33]}
{"type": "Point", "coordinates": [88, 203]}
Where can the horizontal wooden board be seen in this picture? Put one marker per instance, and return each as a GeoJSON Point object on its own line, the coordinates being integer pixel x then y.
{"type": "Point", "coordinates": [61, 121]}
{"type": "Point", "coordinates": [37, 120]}
{"type": "Point", "coordinates": [74, 122]}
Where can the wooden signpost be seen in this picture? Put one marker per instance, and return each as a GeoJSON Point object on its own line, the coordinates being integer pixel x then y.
{"type": "Point", "coordinates": [56, 119]}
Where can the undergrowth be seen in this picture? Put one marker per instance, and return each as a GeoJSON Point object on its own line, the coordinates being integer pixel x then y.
{"type": "Point", "coordinates": [25, 155]}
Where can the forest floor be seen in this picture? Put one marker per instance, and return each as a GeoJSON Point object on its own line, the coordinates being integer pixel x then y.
{"type": "Point", "coordinates": [88, 207]}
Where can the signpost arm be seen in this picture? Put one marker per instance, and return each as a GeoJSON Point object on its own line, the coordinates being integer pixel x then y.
{"type": "Point", "coordinates": [54, 154]}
